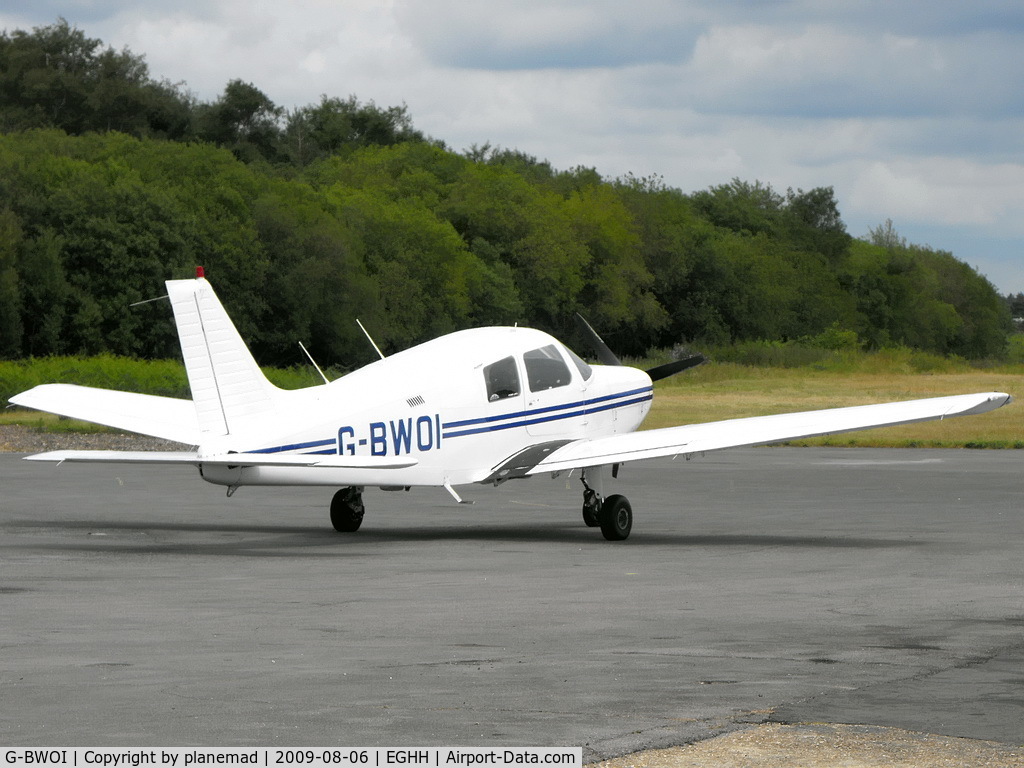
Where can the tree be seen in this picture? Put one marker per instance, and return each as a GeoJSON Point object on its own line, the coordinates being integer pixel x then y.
{"type": "Point", "coordinates": [813, 223]}
{"type": "Point", "coordinates": [506, 220]}
{"type": "Point", "coordinates": [741, 207]}
{"type": "Point", "coordinates": [244, 120]}
{"type": "Point", "coordinates": [1015, 302]}
{"type": "Point", "coordinates": [319, 282]}
{"type": "Point", "coordinates": [335, 125]}
{"type": "Point", "coordinates": [886, 236]}
{"type": "Point", "coordinates": [57, 77]}
{"type": "Point", "coordinates": [10, 297]}
{"type": "Point", "coordinates": [617, 293]}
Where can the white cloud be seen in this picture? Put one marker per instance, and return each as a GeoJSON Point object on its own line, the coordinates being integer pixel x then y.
{"type": "Point", "coordinates": [944, 191]}
{"type": "Point", "coordinates": [538, 34]}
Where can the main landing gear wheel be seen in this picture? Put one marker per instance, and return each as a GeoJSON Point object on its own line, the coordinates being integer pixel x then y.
{"type": "Point", "coordinates": [347, 510]}
{"type": "Point", "coordinates": [616, 518]}
{"type": "Point", "coordinates": [591, 508]}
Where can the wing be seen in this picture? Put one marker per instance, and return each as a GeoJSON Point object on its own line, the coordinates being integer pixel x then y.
{"type": "Point", "coordinates": [165, 417]}
{"type": "Point", "coordinates": [327, 461]}
{"type": "Point", "coordinates": [714, 436]}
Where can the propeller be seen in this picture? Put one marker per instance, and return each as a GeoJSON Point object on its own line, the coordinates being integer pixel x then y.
{"type": "Point", "coordinates": [606, 356]}
{"type": "Point", "coordinates": [671, 369]}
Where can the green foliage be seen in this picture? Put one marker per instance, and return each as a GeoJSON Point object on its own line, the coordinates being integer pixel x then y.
{"type": "Point", "coordinates": [1015, 351]}
{"type": "Point", "coordinates": [1016, 304]}
{"type": "Point", "coordinates": [57, 77]}
{"type": "Point", "coordinates": [337, 125]}
{"type": "Point", "coordinates": [810, 353]}
{"type": "Point", "coordinates": [244, 120]}
{"type": "Point", "coordinates": [10, 296]}
{"type": "Point", "coordinates": [915, 296]}
{"type": "Point", "coordinates": [772, 354]}
{"type": "Point", "coordinates": [154, 377]}
{"type": "Point", "coordinates": [834, 338]}
{"type": "Point", "coordinates": [308, 219]}
{"type": "Point", "coordinates": [165, 378]}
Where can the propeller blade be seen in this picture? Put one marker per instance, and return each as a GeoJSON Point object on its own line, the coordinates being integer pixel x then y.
{"type": "Point", "coordinates": [670, 369]}
{"type": "Point", "coordinates": [604, 354]}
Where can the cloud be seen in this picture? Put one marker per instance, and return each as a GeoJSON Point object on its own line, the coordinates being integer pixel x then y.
{"type": "Point", "coordinates": [536, 34]}
{"type": "Point", "coordinates": [945, 191]}
{"type": "Point", "coordinates": [823, 71]}
{"type": "Point", "coordinates": [293, 52]}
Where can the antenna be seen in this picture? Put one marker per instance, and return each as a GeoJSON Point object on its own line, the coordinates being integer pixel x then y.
{"type": "Point", "coordinates": [314, 363]}
{"type": "Point", "coordinates": [148, 301]}
{"type": "Point", "coordinates": [370, 338]}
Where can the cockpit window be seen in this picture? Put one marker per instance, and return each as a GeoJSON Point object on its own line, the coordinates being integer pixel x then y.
{"type": "Point", "coordinates": [502, 379]}
{"type": "Point", "coordinates": [545, 368]}
{"type": "Point", "coordinates": [585, 370]}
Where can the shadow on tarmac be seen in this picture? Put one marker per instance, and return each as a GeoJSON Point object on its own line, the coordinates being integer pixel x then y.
{"type": "Point", "coordinates": [288, 541]}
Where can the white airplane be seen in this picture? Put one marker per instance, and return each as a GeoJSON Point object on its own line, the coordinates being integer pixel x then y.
{"type": "Point", "coordinates": [479, 406]}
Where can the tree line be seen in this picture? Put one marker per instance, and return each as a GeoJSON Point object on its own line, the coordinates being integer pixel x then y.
{"type": "Point", "coordinates": [111, 182]}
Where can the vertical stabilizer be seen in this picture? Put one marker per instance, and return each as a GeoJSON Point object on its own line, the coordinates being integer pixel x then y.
{"type": "Point", "coordinates": [228, 388]}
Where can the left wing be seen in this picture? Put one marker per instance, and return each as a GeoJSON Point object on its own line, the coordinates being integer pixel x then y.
{"type": "Point", "coordinates": [758, 430]}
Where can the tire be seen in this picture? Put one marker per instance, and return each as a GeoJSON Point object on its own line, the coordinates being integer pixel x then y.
{"type": "Point", "coordinates": [616, 518]}
{"type": "Point", "coordinates": [347, 510]}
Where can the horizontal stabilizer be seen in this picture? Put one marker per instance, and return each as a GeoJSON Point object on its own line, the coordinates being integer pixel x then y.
{"type": "Point", "coordinates": [118, 457]}
{"type": "Point", "coordinates": [759, 430]}
{"type": "Point", "coordinates": [168, 418]}
{"type": "Point", "coordinates": [227, 459]}
{"type": "Point", "coordinates": [332, 461]}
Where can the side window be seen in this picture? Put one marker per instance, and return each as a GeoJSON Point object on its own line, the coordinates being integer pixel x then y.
{"type": "Point", "coordinates": [502, 379]}
{"type": "Point", "coordinates": [545, 369]}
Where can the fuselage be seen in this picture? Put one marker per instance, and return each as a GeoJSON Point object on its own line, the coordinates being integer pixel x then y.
{"type": "Point", "coordinates": [459, 406]}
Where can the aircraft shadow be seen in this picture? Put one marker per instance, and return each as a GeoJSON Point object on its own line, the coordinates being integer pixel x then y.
{"type": "Point", "coordinates": [321, 541]}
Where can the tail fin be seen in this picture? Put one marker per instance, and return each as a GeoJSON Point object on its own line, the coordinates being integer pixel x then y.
{"type": "Point", "coordinates": [228, 387]}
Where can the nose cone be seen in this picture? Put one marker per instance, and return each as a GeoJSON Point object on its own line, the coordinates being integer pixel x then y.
{"type": "Point", "coordinates": [627, 391]}
{"type": "Point", "coordinates": [625, 378]}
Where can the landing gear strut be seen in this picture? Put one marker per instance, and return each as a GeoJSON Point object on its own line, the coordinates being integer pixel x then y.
{"type": "Point", "coordinates": [347, 509]}
{"type": "Point", "coordinates": [591, 506]}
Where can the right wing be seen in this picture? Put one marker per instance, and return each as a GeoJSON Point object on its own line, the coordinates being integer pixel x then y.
{"type": "Point", "coordinates": [758, 430]}
{"type": "Point", "coordinates": [169, 418]}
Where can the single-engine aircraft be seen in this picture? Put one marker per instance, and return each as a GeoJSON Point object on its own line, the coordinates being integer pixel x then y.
{"type": "Point", "coordinates": [482, 406]}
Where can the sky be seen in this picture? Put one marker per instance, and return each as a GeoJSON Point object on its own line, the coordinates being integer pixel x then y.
{"type": "Point", "coordinates": [912, 110]}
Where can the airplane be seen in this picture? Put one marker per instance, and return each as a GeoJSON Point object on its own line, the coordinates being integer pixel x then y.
{"type": "Point", "coordinates": [478, 406]}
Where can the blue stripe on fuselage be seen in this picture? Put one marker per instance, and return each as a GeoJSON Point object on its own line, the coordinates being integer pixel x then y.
{"type": "Point", "coordinates": [502, 421]}
{"type": "Point", "coordinates": [300, 446]}
{"type": "Point", "coordinates": [555, 413]}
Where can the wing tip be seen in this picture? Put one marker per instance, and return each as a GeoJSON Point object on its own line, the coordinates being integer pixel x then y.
{"type": "Point", "coordinates": [991, 401]}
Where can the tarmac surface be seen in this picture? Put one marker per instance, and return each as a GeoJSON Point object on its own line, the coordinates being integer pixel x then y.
{"type": "Point", "coordinates": [140, 607]}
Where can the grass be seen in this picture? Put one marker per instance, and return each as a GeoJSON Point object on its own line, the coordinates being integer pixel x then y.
{"type": "Point", "coordinates": [712, 392]}
{"type": "Point", "coordinates": [48, 422]}
{"type": "Point", "coordinates": [727, 391]}
{"type": "Point", "coordinates": [156, 377]}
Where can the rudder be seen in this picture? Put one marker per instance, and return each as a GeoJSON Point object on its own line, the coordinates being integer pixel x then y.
{"type": "Point", "coordinates": [228, 388]}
